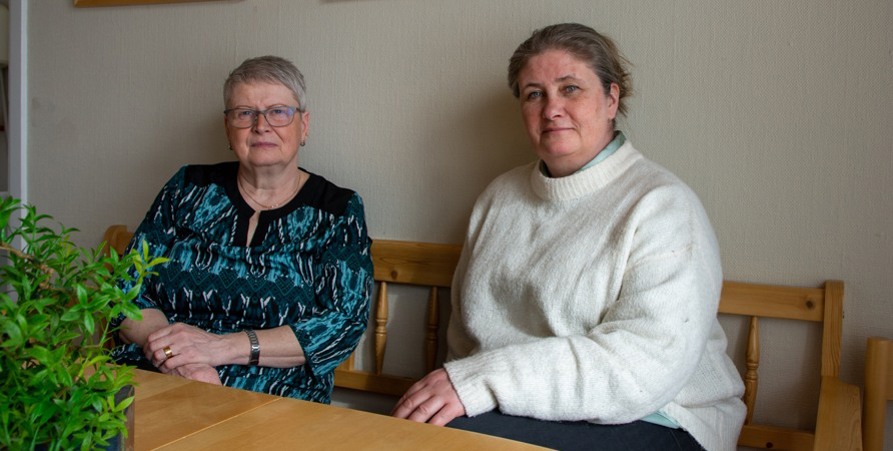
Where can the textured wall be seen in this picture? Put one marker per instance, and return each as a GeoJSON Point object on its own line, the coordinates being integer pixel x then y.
{"type": "Point", "coordinates": [778, 114]}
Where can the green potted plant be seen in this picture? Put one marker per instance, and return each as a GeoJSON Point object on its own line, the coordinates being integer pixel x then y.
{"type": "Point", "coordinates": [58, 385]}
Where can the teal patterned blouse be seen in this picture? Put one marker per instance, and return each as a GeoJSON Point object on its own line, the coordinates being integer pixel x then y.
{"type": "Point", "coordinates": [308, 267]}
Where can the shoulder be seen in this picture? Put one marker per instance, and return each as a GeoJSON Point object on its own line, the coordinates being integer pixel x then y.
{"type": "Point", "coordinates": [324, 195]}
{"type": "Point", "coordinates": [511, 181]}
{"type": "Point", "coordinates": [509, 192]}
{"type": "Point", "coordinates": [665, 213]}
{"type": "Point", "coordinates": [198, 177]}
{"type": "Point", "coordinates": [518, 174]}
{"type": "Point", "coordinates": [206, 174]}
{"type": "Point", "coordinates": [648, 180]}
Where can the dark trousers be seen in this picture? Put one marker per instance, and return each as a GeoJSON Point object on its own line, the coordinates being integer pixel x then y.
{"type": "Point", "coordinates": [579, 435]}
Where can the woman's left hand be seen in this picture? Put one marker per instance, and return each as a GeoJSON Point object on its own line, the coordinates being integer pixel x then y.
{"type": "Point", "coordinates": [181, 344]}
{"type": "Point", "coordinates": [198, 372]}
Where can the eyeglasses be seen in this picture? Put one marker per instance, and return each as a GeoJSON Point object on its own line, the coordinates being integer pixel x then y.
{"type": "Point", "coordinates": [276, 116]}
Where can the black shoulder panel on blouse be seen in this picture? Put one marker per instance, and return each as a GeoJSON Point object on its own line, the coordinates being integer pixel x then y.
{"type": "Point", "coordinates": [325, 195]}
{"type": "Point", "coordinates": [317, 192]}
{"type": "Point", "coordinates": [206, 174]}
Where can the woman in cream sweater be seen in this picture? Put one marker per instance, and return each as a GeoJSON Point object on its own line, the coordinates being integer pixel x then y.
{"type": "Point", "coordinates": [584, 303]}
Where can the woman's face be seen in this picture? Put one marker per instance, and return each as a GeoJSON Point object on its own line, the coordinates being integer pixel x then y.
{"type": "Point", "coordinates": [263, 145]}
{"type": "Point", "coordinates": [567, 113]}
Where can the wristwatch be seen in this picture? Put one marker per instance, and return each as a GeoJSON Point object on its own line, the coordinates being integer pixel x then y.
{"type": "Point", "coordinates": [255, 347]}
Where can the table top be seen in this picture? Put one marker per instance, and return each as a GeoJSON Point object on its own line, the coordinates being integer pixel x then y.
{"type": "Point", "coordinates": [175, 413]}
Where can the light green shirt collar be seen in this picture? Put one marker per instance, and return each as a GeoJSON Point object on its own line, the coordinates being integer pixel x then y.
{"type": "Point", "coordinates": [619, 140]}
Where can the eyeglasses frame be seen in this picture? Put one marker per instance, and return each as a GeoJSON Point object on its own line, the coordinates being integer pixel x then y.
{"type": "Point", "coordinates": [294, 110]}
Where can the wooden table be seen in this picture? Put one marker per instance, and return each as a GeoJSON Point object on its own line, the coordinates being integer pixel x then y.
{"type": "Point", "coordinates": [175, 413]}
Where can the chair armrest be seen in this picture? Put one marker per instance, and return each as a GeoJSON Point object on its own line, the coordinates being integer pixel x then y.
{"type": "Point", "coordinates": [839, 425]}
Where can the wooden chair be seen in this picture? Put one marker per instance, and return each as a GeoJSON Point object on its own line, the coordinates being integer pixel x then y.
{"type": "Point", "coordinates": [116, 238]}
{"type": "Point", "coordinates": [878, 391]}
{"type": "Point", "coordinates": [837, 422]}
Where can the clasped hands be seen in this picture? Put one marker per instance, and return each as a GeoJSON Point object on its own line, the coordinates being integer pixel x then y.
{"type": "Point", "coordinates": [184, 350]}
{"type": "Point", "coordinates": [433, 399]}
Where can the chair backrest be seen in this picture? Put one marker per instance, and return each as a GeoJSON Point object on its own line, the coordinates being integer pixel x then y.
{"type": "Point", "coordinates": [878, 391]}
{"type": "Point", "coordinates": [402, 263]}
{"type": "Point", "coordinates": [116, 238]}
{"type": "Point", "coordinates": [823, 305]}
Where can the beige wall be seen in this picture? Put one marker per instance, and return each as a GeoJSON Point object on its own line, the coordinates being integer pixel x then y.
{"type": "Point", "coordinates": [778, 114]}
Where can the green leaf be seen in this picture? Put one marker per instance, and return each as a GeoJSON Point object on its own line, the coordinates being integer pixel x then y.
{"type": "Point", "coordinates": [89, 324]}
{"type": "Point", "coordinates": [64, 377]}
{"type": "Point", "coordinates": [72, 314]}
{"type": "Point", "coordinates": [13, 335]}
{"type": "Point", "coordinates": [124, 404]}
{"type": "Point", "coordinates": [38, 353]}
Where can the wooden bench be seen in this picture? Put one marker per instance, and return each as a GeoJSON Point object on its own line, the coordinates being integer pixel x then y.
{"type": "Point", "coordinates": [432, 265]}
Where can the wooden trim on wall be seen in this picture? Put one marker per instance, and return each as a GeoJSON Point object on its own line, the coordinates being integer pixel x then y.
{"type": "Point", "coordinates": [91, 3]}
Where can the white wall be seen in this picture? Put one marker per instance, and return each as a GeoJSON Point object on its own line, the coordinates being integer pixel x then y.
{"type": "Point", "coordinates": [779, 114]}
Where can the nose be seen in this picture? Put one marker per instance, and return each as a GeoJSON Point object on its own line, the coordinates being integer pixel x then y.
{"type": "Point", "coordinates": [553, 107]}
{"type": "Point", "coordinates": [258, 125]}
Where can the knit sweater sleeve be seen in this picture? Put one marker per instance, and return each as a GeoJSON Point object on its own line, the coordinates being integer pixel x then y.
{"type": "Point", "coordinates": [637, 357]}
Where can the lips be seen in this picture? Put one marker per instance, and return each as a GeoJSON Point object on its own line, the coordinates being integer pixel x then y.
{"type": "Point", "coordinates": [263, 144]}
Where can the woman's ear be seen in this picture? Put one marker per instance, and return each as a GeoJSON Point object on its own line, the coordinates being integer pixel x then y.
{"type": "Point", "coordinates": [613, 99]}
{"type": "Point", "coordinates": [305, 123]}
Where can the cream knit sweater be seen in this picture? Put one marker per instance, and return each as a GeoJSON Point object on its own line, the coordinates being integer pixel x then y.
{"type": "Point", "coordinates": [594, 297]}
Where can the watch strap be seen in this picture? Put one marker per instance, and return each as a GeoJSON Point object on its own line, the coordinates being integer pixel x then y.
{"type": "Point", "coordinates": [255, 347]}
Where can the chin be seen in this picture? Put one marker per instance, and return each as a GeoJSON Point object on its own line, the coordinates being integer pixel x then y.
{"type": "Point", "coordinates": [265, 163]}
{"type": "Point", "coordinates": [553, 153]}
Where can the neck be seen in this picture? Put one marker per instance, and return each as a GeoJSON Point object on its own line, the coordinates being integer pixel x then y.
{"type": "Point", "coordinates": [270, 198]}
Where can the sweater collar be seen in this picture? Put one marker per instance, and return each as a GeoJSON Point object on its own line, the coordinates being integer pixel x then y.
{"type": "Point", "coordinates": [619, 140]}
{"type": "Point", "coordinates": [585, 182]}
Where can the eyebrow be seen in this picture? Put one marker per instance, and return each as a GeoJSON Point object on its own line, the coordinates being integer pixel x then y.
{"type": "Point", "coordinates": [247, 107]}
{"type": "Point", "coordinates": [557, 80]}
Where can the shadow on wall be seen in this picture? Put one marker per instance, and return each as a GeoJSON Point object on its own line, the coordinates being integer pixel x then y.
{"type": "Point", "coordinates": [490, 139]}
{"type": "Point", "coordinates": [192, 143]}
{"type": "Point", "coordinates": [497, 127]}
{"type": "Point", "coordinates": [159, 150]}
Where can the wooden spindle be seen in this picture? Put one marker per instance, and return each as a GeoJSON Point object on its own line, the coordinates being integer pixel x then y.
{"type": "Point", "coordinates": [431, 331]}
{"type": "Point", "coordinates": [381, 326]}
{"type": "Point", "coordinates": [752, 358]}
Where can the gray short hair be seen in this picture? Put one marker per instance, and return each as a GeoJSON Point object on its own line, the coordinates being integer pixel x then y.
{"type": "Point", "coordinates": [271, 69]}
{"type": "Point", "coordinates": [596, 50]}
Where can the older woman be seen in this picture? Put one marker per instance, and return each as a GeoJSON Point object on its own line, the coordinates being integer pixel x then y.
{"type": "Point", "coordinates": [584, 303]}
{"type": "Point", "coordinates": [269, 277]}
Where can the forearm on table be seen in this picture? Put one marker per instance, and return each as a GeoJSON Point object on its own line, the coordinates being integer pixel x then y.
{"type": "Point", "coordinates": [279, 348]}
{"type": "Point", "coordinates": [137, 331]}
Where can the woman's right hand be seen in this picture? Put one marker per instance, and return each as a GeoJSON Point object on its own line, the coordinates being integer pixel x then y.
{"type": "Point", "coordinates": [181, 344]}
{"type": "Point", "coordinates": [433, 399]}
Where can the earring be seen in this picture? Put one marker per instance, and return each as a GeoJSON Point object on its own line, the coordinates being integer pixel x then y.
{"type": "Point", "coordinates": [303, 143]}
